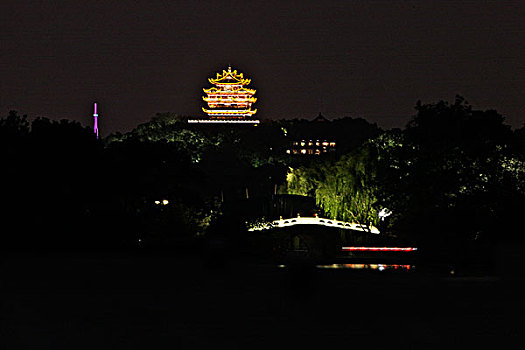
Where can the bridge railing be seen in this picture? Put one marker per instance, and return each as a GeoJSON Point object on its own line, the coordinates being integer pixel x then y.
{"type": "Point", "coordinates": [314, 221]}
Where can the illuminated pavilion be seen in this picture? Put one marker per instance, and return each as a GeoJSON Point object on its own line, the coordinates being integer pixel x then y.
{"type": "Point", "coordinates": [229, 100]}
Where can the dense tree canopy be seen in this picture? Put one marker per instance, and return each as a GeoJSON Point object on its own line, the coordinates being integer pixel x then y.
{"type": "Point", "coordinates": [454, 174]}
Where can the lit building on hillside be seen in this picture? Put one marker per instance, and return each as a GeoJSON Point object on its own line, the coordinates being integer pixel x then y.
{"type": "Point", "coordinates": [316, 137]}
{"type": "Point", "coordinates": [311, 147]}
{"type": "Point", "coordinates": [229, 100]}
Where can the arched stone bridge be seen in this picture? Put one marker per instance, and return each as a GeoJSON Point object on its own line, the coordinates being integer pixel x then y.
{"type": "Point", "coordinates": [314, 221]}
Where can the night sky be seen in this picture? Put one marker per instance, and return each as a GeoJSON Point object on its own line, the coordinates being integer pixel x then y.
{"type": "Point", "coordinates": [371, 59]}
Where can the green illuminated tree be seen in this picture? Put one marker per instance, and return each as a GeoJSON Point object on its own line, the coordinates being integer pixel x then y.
{"type": "Point", "coordinates": [348, 190]}
{"type": "Point", "coordinates": [344, 189]}
{"type": "Point", "coordinates": [305, 180]}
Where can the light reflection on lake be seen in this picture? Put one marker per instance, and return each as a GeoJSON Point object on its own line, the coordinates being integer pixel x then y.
{"type": "Point", "coordinates": [378, 267]}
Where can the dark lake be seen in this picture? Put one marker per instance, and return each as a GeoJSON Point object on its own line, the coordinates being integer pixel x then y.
{"type": "Point", "coordinates": [122, 302]}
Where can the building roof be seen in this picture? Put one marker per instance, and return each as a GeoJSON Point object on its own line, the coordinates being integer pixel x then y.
{"type": "Point", "coordinates": [320, 118]}
{"type": "Point", "coordinates": [229, 112]}
{"type": "Point", "coordinates": [229, 77]}
{"type": "Point", "coordinates": [215, 90]}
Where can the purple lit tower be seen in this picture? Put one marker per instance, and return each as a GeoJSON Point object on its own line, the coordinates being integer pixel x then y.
{"type": "Point", "coordinates": [95, 117]}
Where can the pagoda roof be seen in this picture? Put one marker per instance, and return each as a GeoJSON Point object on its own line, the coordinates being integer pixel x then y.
{"type": "Point", "coordinates": [241, 89]}
{"type": "Point", "coordinates": [229, 111]}
{"type": "Point", "coordinates": [230, 77]}
{"type": "Point", "coordinates": [233, 99]}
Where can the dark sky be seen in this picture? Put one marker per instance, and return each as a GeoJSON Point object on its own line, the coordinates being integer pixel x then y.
{"type": "Point", "coordinates": [371, 59]}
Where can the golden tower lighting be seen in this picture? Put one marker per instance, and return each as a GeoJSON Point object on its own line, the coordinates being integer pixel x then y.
{"type": "Point", "coordinates": [229, 100]}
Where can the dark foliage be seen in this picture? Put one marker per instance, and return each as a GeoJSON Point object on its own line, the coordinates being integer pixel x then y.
{"type": "Point", "coordinates": [453, 179]}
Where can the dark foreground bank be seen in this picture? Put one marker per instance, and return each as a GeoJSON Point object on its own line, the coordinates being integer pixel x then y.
{"type": "Point", "coordinates": [126, 301]}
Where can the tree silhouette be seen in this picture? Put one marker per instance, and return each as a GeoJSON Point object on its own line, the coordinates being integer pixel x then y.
{"type": "Point", "coordinates": [447, 176]}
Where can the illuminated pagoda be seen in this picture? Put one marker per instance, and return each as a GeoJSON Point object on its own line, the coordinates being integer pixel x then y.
{"type": "Point", "coordinates": [229, 101]}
